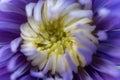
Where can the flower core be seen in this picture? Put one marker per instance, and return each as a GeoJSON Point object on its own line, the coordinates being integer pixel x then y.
{"type": "Point", "coordinates": [58, 36]}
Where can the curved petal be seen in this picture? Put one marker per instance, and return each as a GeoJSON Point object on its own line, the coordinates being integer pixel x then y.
{"type": "Point", "coordinates": [111, 50]}
{"type": "Point", "coordinates": [105, 67]}
{"type": "Point", "coordinates": [28, 77]}
{"type": "Point", "coordinates": [6, 37]}
{"type": "Point", "coordinates": [12, 15]}
{"type": "Point", "coordinates": [84, 75]}
{"type": "Point", "coordinates": [104, 17]}
{"type": "Point", "coordinates": [4, 74]}
{"type": "Point", "coordinates": [5, 53]}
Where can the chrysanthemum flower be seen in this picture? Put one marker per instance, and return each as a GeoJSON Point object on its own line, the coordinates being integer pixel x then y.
{"type": "Point", "coordinates": [59, 39]}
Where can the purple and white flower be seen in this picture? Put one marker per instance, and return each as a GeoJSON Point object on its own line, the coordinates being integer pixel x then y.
{"type": "Point", "coordinates": [59, 39]}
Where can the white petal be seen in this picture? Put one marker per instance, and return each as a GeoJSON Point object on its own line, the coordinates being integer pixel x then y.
{"type": "Point", "coordinates": [61, 64]}
{"type": "Point", "coordinates": [27, 31]}
{"type": "Point", "coordinates": [57, 6]}
{"type": "Point", "coordinates": [29, 8]}
{"type": "Point", "coordinates": [91, 37]}
{"type": "Point", "coordinates": [43, 60]}
{"type": "Point", "coordinates": [48, 65]}
{"type": "Point", "coordinates": [37, 11]}
{"type": "Point", "coordinates": [53, 63]}
{"type": "Point", "coordinates": [74, 25]}
{"type": "Point", "coordinates": [33, 25]}
{"type": "Point", "coordinates": [81, 14]}
{"type": "Point", "coordinates": [87, 3]}
{"type": "Point", "coordinates": [29, 51]}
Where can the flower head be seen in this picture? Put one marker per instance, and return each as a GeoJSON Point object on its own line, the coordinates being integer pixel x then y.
{"type": "Point", "coordinates": [58, 35]}
{"type": "Point", "coordinates": [59, 40]}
